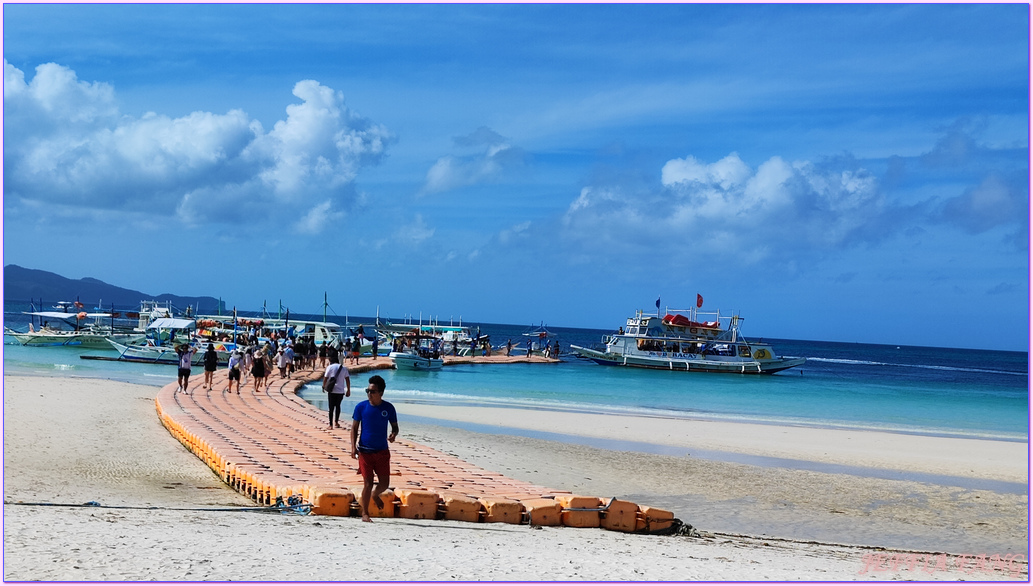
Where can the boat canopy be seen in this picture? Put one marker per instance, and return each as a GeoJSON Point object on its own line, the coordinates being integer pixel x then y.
{"type": "Point", "coordinates": [676, 319]}
{"type": "Point", "coordinates": [63, 315]}
{"type": "Point", "coordinates": [170, 323]}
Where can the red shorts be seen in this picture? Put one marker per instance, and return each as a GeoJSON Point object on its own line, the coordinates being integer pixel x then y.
{"type": "Point", "coordinates": [375, 462]}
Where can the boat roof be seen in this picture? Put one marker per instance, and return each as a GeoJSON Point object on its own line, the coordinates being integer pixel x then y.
{"type": "Point", "coordinates": [170, 323]}
{"type": "Point", "coordinates": [63, 315]}
{"type": "Point", "coordinates": [271, 321]}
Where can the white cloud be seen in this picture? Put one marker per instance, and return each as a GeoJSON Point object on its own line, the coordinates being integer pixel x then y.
{"type": "Point", "coordinates": [728, 172]}
{"type": "Point", "coordinates": [726, 209]}
{"type": "Point", "coordinates": [493, 157]}
{"type": "Point", "coordinates": [66, 143]}
{"type": "Point", "coordinates": [415, 232]}
{"type": "Point", "coordinates": [318, 218]}
{"type": "Point", "coordinates": [515, 231]}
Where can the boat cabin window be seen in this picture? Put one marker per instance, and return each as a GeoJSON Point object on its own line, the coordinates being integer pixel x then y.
{"type": "Point", "coordinates": [721, 350]}
{"type": "Point", "coordinates": [744, 351]}
{"type": "Point", "coordinates": [647, 345]}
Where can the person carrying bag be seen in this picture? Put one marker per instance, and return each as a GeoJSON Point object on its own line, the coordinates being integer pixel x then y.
{"type": "Point", "coordinates": [336, 390]}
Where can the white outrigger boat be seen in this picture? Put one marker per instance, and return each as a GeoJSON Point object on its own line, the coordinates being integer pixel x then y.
{"type": "Point", "coordinates": [92, 335]}
{"type": "Point", "coordinates": [456, 340]}
{"type": "Point", "coordinates": [228, 326]}
{"type": "Point", "coordinates": [413, 361]}
{"type": "Point", "coordinates": [686, 343]}
{"type": "Point", "coordinates": [160, 345]}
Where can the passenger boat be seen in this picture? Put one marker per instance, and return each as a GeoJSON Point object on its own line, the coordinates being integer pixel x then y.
{"type": "Point", "coordinates": [164, 334]}
{"type": "Point", "coordinates": [457, 340]}
{"type": "Point", "coordinates": [414, 361]}
{"type": "Point", "coordinates": [538, 340]}
{"type": "Point", "coordinates": [687, 343]}
{"type": "Point", "coordinates": [223, 325]}
{"type": "Point", "coordinates": [92, 335]}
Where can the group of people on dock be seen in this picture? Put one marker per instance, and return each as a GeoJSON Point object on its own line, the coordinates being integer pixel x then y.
{"type": "Point", "coordinates": [287, 355]}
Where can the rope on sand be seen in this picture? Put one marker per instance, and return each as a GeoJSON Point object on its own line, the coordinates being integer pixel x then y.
{"type": "Point", "coordinates": [293, 506]}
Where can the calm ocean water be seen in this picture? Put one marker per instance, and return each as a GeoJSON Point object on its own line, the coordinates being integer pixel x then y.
{"type": "Point", "coordinates": [937, 391]}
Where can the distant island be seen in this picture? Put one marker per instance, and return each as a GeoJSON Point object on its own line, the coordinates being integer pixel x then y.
{"type": "Point", "coordinates": [22, 284]}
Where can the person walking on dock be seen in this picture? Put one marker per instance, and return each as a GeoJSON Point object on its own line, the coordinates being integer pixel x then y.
{"type": "Point", "coordinates": [186, 357]}
{"type": "Point", "coordinates": [258, 367]}
{"type": "Point", "coordinates": [211, 363]}
{"type": "Point", "coordinates": [342, 387]}
{"type": "Point", "coordinates": [370, 447]}
{"type": "Point", "coordinates": [234, 374]}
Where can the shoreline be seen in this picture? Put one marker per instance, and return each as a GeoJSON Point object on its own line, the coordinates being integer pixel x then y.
{"type": "Point", "coordinates": [111, 448]}
{"type": "Point", "coordinates": [944, 456]}
{"type": "Point", "coordinates": [736, 457]}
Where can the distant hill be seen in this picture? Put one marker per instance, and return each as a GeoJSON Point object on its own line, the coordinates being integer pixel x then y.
{"type": "Point", "coordinates": [22, 284]}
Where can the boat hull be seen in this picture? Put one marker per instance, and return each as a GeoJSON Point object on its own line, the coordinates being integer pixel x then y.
{"type": "Point", "coordinates": [730, 365]}
{"type": "Point", "coordinates": [407, 361]}
{"type": "Point", "coordinates": [166, 354]}
{"type": "Point", "coordinates": [84, 340]}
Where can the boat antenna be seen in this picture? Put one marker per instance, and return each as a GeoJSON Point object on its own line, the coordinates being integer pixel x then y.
{"type": "Point", "coordinates": [324, 306]}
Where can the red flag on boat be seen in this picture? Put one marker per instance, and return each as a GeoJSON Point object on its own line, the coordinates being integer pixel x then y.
{"type": "Point", "coordinates": [77, 304]}
{"type": "Point", "coordinates": [699, 300]}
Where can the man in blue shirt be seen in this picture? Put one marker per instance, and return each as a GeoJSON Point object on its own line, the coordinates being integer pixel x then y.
{"type": "Point", "coordinates": [370, 446]}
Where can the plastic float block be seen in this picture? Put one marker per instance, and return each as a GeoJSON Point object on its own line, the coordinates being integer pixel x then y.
{"type": "Point", "coordinates": [542, 511]}
{"type": "Point", "coordinates": [579, 518]}
{"type": "Point", "coordinates": [620, 516]}
{"type": "Point", "coordinates": [330, 501]}
{"type": "Point", "coordinates": [459, 507]}
{"type": "Point", "coordinates": [501, 510]}
{"type": "Point", "coordinates": [653, 519]}
{"type": "Point", "coordinates": [417, 504]}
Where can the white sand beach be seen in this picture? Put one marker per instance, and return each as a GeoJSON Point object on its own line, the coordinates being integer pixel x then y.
{"type": "Point", "coordinates": [73, 440]}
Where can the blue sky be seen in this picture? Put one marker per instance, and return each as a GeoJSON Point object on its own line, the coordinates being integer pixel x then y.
{"type": "Point", "coordinates": [854, 173]}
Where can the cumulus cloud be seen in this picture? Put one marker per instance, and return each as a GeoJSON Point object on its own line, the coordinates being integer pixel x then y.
{"type": "Point", "coordinates": [318, 218]}
{"type": "Point", "coordinates": [67, 143]}
{"type": "Point", "coordinates": [493, 157]}
{"type": "Point", "coordinates": [988, 205]}
{"type": "Point", "coordinates": [994, 180]}
{"type": "Point", "coordinates": [727, 208]}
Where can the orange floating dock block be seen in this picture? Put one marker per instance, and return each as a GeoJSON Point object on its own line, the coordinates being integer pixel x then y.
{"type": "Point", "coordinates": [653, 519]}
{"type": "Point", "coordinates": [579, 518]}
{"type": "Point", "coordinates": [335, 502]}
{"type": "Point", "coordinates": [388, 498]}
{"type": "Point", "coordinates": [417, 504]}
{"type": "Point", "coordinates": [501, 510]}
{"type": "Point", "coordinates": [620, 516]}
{"type": "Point", "coordinates": [543, 511]}
{"type": "Point", "coordinates": [459, 507]}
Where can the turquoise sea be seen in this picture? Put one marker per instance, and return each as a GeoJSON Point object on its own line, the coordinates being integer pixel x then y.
{"type": "Point", "coordinates": [935, 391]}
